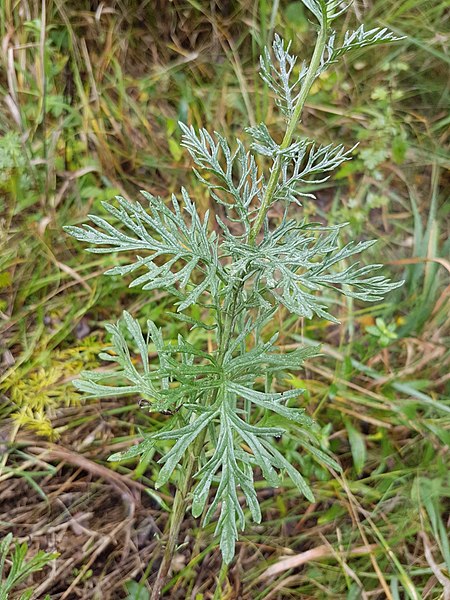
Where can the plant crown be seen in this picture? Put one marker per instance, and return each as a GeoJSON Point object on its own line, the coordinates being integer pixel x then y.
{"type": "Point", "coordinates": [226, 416]}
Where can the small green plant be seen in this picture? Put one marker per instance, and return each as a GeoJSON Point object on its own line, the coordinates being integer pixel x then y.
{"type": "Point", "coordinates": [20, 569]}
{"type": "Point", "coordinates": [36, 394]}
{"type": "Point", "coordinates": [386, 334]}
{"type": "Point", "coordinates": [227, 410]}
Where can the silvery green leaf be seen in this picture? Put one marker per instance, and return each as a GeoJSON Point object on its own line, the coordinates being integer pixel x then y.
{"type": "Point", "coordinates": [271, 401]}
{"type": "Point", "coordinates": [160, 232]}
{"type": "Point", "coordinates": [327, 10]}
{"type": "Point", "coordinates": [247, 486]}
{"type": "Point", "coordinates": [194, 322]}
{"type": "Point", "coordinates": [137, 450]}
{"type": "Point", "coordinates": [235, 182]}
{"type": "Point", "coordinates": [360, 38]}
{"type": "Point", "coordinates": [278, 73]}
{"type": "Point", "coordinates": [131, 376]}
{"type": "Point", "coordinates": [184, 436]}
{"type": "Point", "coordinates": [295, 476]}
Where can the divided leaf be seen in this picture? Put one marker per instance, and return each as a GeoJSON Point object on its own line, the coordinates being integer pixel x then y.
{"type": "Point", "coordinates": [130, 376]}
{"type": "Point", "coordinates": [163, 234]}
{"type": "Point", "coordinates": [292, 263]}
{"type": "Point", "coordinates": [354, 40]}
{"type": "Point", "coordinates": [237, 184]}
{"type": "Point", "coordinates": [278, 74]}
{"type": "Point", "coordinates": [231, 466]}
{"type": "Point", "coordinates": [327, 10]}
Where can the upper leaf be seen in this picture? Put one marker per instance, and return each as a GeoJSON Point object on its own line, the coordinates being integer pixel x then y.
{"type": "Point", "coordinates": [353, 40]}
{"type": "Point", "coordinates": [236, 183]}
{"type": "Point", "coordinates": [278, 74]}
{"type": "Point", "coordinates": [326, 11]}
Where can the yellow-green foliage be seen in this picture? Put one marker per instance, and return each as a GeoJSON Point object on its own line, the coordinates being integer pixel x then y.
{"type": "Point", "coordinates": [38, 393]}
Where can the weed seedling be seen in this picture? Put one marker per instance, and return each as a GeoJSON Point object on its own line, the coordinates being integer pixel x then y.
{"type": "Point", "coordinates": [226, 410]}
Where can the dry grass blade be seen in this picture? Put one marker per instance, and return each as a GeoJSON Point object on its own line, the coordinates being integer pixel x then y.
{"type": "Point", "coordinates": [318, 553]}
{"type": "Point", "coordinates": [437, 571]}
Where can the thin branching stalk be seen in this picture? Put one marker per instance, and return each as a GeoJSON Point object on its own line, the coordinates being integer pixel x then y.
{"type": "Point", "coordinates": [291, 128]}
{"type": "Point", "coordinates": [180, 504]}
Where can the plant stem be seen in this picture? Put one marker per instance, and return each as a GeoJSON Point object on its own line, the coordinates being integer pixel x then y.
{"type": "Point", "coordinates": [293, 122]}
{"type": "Point", "coordinates": [180, 500]}
{"type": "Point", "coordinates": [177, 517]}
{"type": "Point", "coordinates": [221, 579]}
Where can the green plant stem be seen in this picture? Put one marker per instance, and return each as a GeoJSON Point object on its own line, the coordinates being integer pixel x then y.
{"type": "Point", "coordinates": [221, 579]}
{"type": "Point", "coordinates": [292, 125]}
{"type": "Point", "coordinates": [177, 517]}
{"type": "Point", "coordinates": [181, 495]}
{"type": "Point", "coordinates": [180, 502]}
